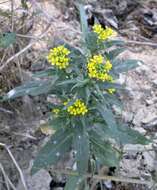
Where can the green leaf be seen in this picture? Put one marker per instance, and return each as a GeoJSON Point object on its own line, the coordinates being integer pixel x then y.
{"type": "Point", "coordinates": [112, 85]}
{"type": "Point", "coordinates": [83, 20]}
{"type": "Point", "coordinates": [123, 135]}
{"type": "Point", "coordinates": [128, 135]}
{"type": "Point", "coordinates": [57, 123]}
{"type": "Point", "coordinates": [81, 146]}
{"type": "Point", "coordinates": [73, 183]}
{"type": "Point", "coordinates": [113, 100]}
{"type": "Point", "coordinates": [80, 83]}
{"type": "Point", "coordinates": [54, 150]}
{"type": "Point", "coordinates": [91, 42]}
{"type": "Point", "coordinates": [65, 82]}
{"type": "Point", "coordinates": [6, 39]}
{"type": "Point", "coordinates": [121, 66]}
{"type": "Point", "coordinates": [111, 43]}
{"type": "Point", "coordinates": [32, 88]}
{"type": "Point", "coordinates": [104, 152]}
{"type": "Point", "coordinates": [114, 53]}
{"type": "Point", "coordinates": [5, 13]}
{"type": "Point", "coordinates": [108, 117]}
{"type": "Point", "coordinates": [46, 73]}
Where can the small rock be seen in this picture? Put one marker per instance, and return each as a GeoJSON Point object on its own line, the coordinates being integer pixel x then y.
{"type": "Point", "coordinates": [140, 130]}
{"type": "Point", "coordinates": [128, 116]}
{"type": "Point", "coordinates": [149, 102]}
{"type": "Point", "coordinates": [150, 160]}
{"type": "Point", "coordinates": [122, 79]}
{"type": "Point", "coordinates": [155, 82]}
{"type": "Point", "coordinates": [143, 69]}
{"type": "Point", "coordinates": [40, 181]}
{"type": "Point", "coordinates": [139, 116]}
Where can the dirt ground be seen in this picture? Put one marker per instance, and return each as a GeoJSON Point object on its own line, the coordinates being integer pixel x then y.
{"type": "Point", "coordinates": [20, 120]}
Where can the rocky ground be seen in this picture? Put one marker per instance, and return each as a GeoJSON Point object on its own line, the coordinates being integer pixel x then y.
{"type": "Point", "coordinates": [20, 121]}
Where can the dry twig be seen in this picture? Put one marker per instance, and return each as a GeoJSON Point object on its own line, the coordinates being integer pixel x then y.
{"type": "Point", "coordinates": [141, 43]}
{"type": "Point", "coordinates": [106, 177]}
{"type": "Point", "coordinates": [25, 48]}
{"type": "Point", "coordinates": [16, 165]}
{"type": "Point", "coordinates": [8, 181]}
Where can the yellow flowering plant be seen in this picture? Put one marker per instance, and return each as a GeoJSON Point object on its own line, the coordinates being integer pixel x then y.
{"type": "Point", "coordinates": [84, 82]}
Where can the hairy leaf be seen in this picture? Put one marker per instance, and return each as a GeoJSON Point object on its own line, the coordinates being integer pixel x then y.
{"type": "Point", "coordinates": [81, 146]}
{"type": "Point", "coordinates": [55, 149]}
{"type": "Point", "coordinates": [124, 134]}
{"type": "Point", "coordinates": [121, 66]}
{"type": "Point", "coordinates": [73, 182]}
{"type": "Point", "coordinates": [32, 88]}
{"type": "Point", "coordinates": [104, 152]}
{"type": "Point", "coordinates": [108, 117]}
{"type": "Point", "coordinates": [111, 43]}
{"type": "Point", "coordinates": [114, 53]}
{"type": "Point", "coordinates": [6, 39]}
{"type": "Point", "coordinates": [91, 42]}
{"type": "Point", "coordinates": [46, 73]}
{"type": "Point", "coordinates": [83, 19]}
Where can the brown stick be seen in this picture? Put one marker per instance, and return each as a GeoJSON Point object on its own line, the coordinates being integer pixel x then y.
{"type": "Point", "coordinates": [16, 164]}
{"type": "Point", "coordinates": [141, 43]}
{"type": "Point", "coordinates": [26, 48]}
{"type": "Point", "coordinates": [105, 177]}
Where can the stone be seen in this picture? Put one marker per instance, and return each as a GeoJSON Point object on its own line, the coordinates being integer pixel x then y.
{"type": "Point", "coordinates": [140, 130]}
{"type": "Point", "coordinates": [150, 160]}
{"type": "Point", "coordinates": [41, 180]}
{"type": "Point", "coordinates": [155, 82]}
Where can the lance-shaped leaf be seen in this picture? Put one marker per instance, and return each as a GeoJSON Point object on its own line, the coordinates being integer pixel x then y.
{"type": "Point", "coordinates": [73, 182]}
{"type": "Point", "coordinates": [124, 134]}
{"type": "Point", "coordinates": [54, 150]}
{"type": "Point", "coordinates": [111, 43]}
{"type": "Point", "coordinates": [108, 117]}
{"type": "Point", "coordinates": [6, 39]}
{"type": "Point", "coordinates": [114, 53]}
{"type": "Point", "coordinates": [112, 99]}
{"type": "Point", "coordinates": [121, 66]}
{"type": "Point", "coordinates": [83, 19]}
{"type": "Point", "coordinates": [91, 42]}
{"type": "Point", "coordinates": [104, 152]}
{"type": "Point", "coordinates": [108, 85]}
{"type": "Point", "coordinates": [32, 88]}
{"type": "Point", "coordinates": [81, 146]}
{"type": "Point", "coordinates": [46, 73]}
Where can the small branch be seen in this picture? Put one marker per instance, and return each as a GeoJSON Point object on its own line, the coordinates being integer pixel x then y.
{"type": "Point", "coordinates": [7, 178]}
{"type": "Point", "coordinates": [16, 165]}
{"type": "Point", "coordinates": [105, 177]}
{"type": "Point", "coordinates": [12, 15]}
{"type": "Point", "coordinates": [141, 43]}
{"type": "Point", "coordinates": [4, 2]}
{"type": "Point", "coordinates": [26, 48]}
{"type": "Point", "coordinates": [27, 36]}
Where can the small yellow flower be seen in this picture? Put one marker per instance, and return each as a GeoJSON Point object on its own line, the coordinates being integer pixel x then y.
{"type": "Point", "coordinates": [111, 90]}
{"type": "Point", "coordinates": [99, 69]}
{"type": "Point", "coordinates": [58, 56]}
{"type": "Point", "coordinates": [78, 108]}
{"type": "Point", "coordinates": [56, 111]}
{"type": "Point", "coordinates": [103, 34]}
{"type": "Point", "coordinates": [66, 102]}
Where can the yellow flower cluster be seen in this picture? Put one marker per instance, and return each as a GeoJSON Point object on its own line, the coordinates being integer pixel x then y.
{"type": "Point", "coordinates": [56, 111]}
{"type": "Point", "coordinates": [111, 90]}
{"type": "Point", "coordinates": [78, 108]}
{"type": "Point", "coordinates": [103, 34]}
{"type": "Point", "coordinates": [59, 56]}
{"type": "Point", "coordinates": [98, 69]}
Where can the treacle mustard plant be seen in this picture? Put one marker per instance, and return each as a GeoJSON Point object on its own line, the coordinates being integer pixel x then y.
{"type": "Point", "coordinates": [84, 81]}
